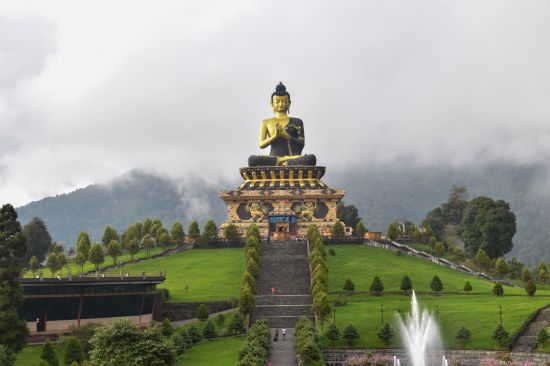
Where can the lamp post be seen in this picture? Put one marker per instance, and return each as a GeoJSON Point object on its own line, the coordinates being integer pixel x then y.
{"type": "Point", "coordinates": [334, 312]}
{"type": "Point", "coordinates": [500, 313]}
{"type": "Point", "coordinates": [382, 314]}
{"type": "Point", "coordinates": [437, 313]}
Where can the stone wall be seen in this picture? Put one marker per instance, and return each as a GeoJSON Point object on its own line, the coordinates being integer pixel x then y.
{"type": "Point", "coordinates": [188, 310]}
{"type": "Point", "coordinates": [337, 357]}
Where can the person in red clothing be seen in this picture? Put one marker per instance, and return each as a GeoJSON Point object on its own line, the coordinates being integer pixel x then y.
{"type": "Point", "coordinates": [273, 290]}
{"type": "Point", "coordinates": [269, 363]}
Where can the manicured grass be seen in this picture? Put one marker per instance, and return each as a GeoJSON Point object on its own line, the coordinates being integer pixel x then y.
{"type": "Point", "coordinates": [216, 352]}
{"type": "Point", "coordinates": [361, 263]}
{"type": "Point", "coordinates": [30, 355]}
{"type": "Point", "coordinates": [210, 274]}
{"type": "Point", "coordinates": [479, 313]}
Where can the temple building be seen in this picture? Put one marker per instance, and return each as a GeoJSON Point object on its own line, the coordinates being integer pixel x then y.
{"type": "Point", "coordinates": [282, 193]}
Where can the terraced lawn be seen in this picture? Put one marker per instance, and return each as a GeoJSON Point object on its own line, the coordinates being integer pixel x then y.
{"type": "Point", "coordinates": [198, 274]}
{"type": "Point", "coordinates": [361, 263]}
{"type": "Point", "coordinates": [217, 352]}
{"type": "Point", "coordinates": [479, 313]}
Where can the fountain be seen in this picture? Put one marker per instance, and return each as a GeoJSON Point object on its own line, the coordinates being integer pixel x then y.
{"type": "Point", "coordinates": [419, 333]}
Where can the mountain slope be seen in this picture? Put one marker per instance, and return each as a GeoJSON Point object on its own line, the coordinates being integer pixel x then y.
{"type": "Point", "coordinates": [382, 194]}
{"type": "Point", "coordinates": [123, 201]}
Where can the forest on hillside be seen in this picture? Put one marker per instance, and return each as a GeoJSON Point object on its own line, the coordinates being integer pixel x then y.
{"type": "Point", "coordinates": [382, 194]}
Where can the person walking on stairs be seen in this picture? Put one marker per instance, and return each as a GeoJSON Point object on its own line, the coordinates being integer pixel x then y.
{"type": "Point", "coordinates": [284, 333]}
{"type": "Point", "coordinates": [276, 336]}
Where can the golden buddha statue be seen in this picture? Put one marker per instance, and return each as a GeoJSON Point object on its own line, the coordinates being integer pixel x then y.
{"type": "Point", "coordinates": [284, 134]}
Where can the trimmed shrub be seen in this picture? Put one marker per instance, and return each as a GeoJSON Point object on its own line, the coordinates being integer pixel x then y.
{"type": "Point", "coordinates": [247, 302]}
{"type": "Point", "coordinates": [467, 286]}
{"type": "Point", "coordinates": [73, 351]}
{"type": "Point", "coordinates": [376, 287]}
{"type": "Point", "coordinates": [307, 341]}
{"type": "Point", "coordinates": [252, 267]}
{"type": "Point", "coordinates": [349, 286]}
{"type": "Point", "coordinates": [167, 329]}
{"type": "Point", "coordinates": [220, 319]}
{"type": "Point", "coordinates": [194, 334]}
{"type": "Point", "coordinates": [179, 341]}
{"type": "Point", "coordinates": [436, 285]}
{"type": "Point", "coordinates": [7, 356]}
{"type": "Point", "coordinates": [237, 325]}
{"type": "Point", "coordinates": [500, 335]}
{"type": "Point", "coordinates": [253, 231]}
{"type": "Point", "coordinates": [48, 354]}
{"type": "Point", "coordinates": [202, 312]}
{"type": "Point", "coordinates": [332, 252]}
{"type": "Point", "coordinates": [463, 336]}
{"type": "Point", "coordinates": [386, 333]}
{"type": "Point", "coordinates": [209, 331]}
{"type": "Point", "coordinates": [406, 284]}
{"type": "Point", "coordinates": [498, 290]}
{"type": "Point", "coordinates": [333, 333]}
{"type": "Point", "coordinates": [248, 280]}
{"type": "Point", "coordinates": [350, 334]}
{"type": "Point", "coordinates": [255, 347]}
{"type": "Point", "coordinates": [542, 337]}
{"type": "Point", "coordinates": [530, 288]}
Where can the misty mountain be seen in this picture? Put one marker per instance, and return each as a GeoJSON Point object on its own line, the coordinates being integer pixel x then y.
{"type": "Point", "coordinates": [123, 201]}
{"type": "Point", "coordinates": [382, 194]}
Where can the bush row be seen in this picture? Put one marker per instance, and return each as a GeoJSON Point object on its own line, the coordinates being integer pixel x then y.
{"type": "Point", "coordinates": [308, 345]}
{"type": "Point", "coordinates": [256, 346]}
{"type": "Point", "coordinates": [247, 303]}
{"type": "Point", "coordinates": [319, 273]}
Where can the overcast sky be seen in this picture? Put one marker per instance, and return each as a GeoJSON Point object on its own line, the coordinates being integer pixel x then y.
{"type": "Point", "coordinates": [90, 91]}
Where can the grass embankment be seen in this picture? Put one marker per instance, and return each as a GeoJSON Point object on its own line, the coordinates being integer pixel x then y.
{"type": "Point", "coordinates": [361, 263]}
{"type": "Point", "coordinates": [209, 274]}
{"type": "Point", "coordinates": [479, 311]}
{"type": "Point", "coordinates": [216, 352]}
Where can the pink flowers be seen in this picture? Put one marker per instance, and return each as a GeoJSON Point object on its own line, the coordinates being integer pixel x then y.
{"type": "Point", "coordinates": [370, 360]}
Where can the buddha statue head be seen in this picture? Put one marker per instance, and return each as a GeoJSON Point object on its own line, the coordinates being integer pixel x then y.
{"type": "Point", "coordinates": [280, 99]}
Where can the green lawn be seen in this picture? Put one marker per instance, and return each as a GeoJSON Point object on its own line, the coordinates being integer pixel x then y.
{"type": "Point", "coordinates": [210, 274]}
{"type": "Point", "coordinates": [30, 355]}
{"type": "Point", "coordinates": [361, 263]}
{"type": "Point", "coordinates": [217, 352]}
{"type": "Point", "coordinates": [479, 313]}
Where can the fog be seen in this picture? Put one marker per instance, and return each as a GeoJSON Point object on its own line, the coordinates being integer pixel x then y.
{"type": "Point", "coordinates": [90, 91]}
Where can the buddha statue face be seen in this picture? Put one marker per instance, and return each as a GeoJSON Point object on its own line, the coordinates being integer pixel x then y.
{"type": "Point", "coordinates": [280, 104]}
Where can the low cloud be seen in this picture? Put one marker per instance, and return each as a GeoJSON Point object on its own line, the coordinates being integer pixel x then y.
{"type": "Point", "coordinates": [93, 91]}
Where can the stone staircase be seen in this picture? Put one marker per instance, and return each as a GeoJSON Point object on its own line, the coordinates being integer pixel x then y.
{"type": "Point", "coordinates": [528, 338]}
{"type": "Point", "coordinates": [283, 265]}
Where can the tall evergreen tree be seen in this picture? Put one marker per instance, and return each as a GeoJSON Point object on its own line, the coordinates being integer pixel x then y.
{"type": "Point", "coordinates": [13, 331]}
{"type": "Point", "coordinates": [194, 230]}
{"type": "Point", "coordinates": [177, 232]}
{"type": "Point", "coordinates": [210, 232]}
{"type": "Point", "coordinates": [38, 240]}
{"type": "Point", "coordinates": [108, 235]}
{"type": "Point", "coordinates": [83, 244]}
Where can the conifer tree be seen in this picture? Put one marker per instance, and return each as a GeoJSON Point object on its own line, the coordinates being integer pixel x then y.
{"type": "Point", "coordinates": [333, 333]}
{"type": "Point", "coordinates": [49, 355]}
{"type": "Point", "coordinates": [13, 331]}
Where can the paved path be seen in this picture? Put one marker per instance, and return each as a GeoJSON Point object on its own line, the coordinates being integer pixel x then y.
{"type": "Point", "coordinates": [179, 323]}
{"type": "Point", "coordinates": [527, 340]}
{"type": "Point", "coordinates": [282, 353]}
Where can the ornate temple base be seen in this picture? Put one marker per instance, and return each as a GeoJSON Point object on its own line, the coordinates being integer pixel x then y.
{"type": "Point", "coordinates": [282, 201]}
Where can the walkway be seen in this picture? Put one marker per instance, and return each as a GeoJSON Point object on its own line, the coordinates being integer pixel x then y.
{"type": "Point", "coordinates": [527, 340]}
{"type": "Point", "coordinates": [284, 266]}
{"type": "Point", "coordinates": [282, 353]}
